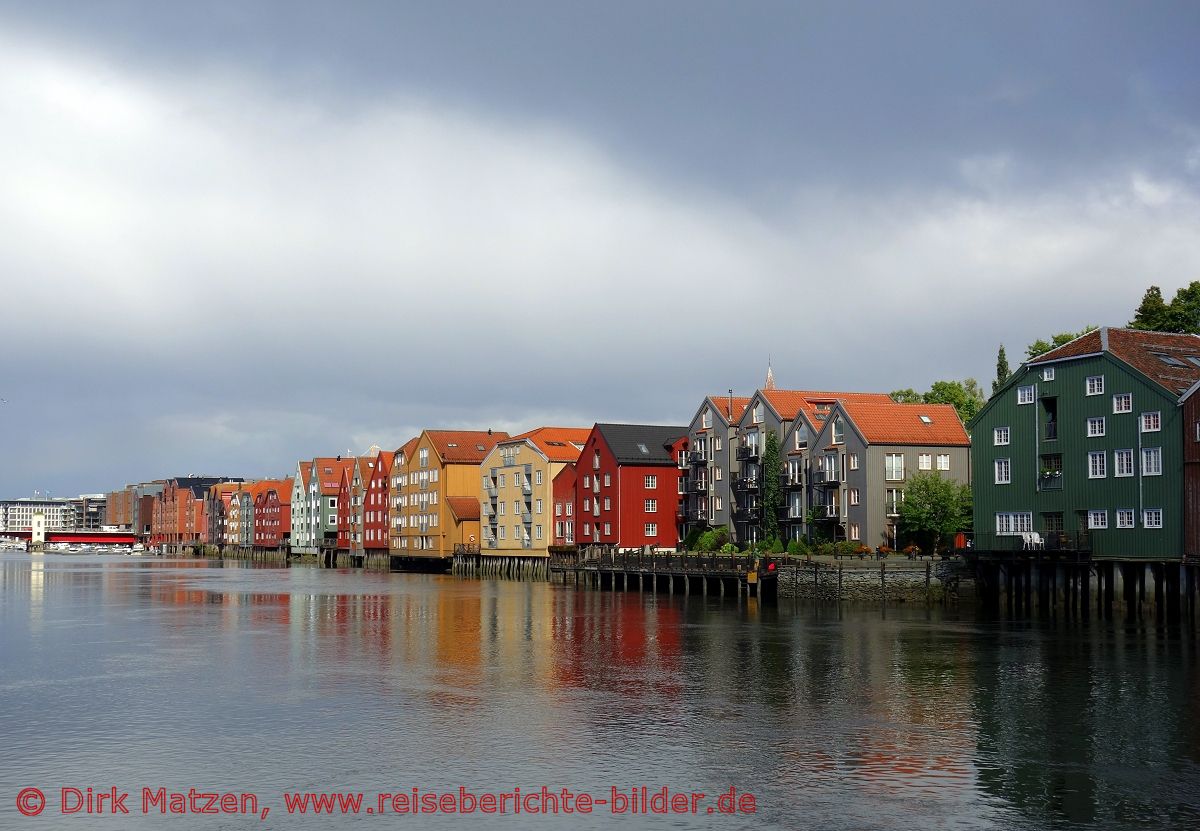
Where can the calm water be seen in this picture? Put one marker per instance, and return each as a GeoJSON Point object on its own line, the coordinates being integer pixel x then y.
{"type": "Point", "coordinates": [128, 672]}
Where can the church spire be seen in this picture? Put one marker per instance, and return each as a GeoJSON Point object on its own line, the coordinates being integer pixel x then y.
{"type": "Point", "coordinates": [770, 383]}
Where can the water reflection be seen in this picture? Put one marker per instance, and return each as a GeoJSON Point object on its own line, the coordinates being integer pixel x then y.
{"type": "Point", "coordinates": [201, 673]}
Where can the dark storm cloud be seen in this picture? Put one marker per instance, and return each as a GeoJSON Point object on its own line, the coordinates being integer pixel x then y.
{"type": "Point", "coordinates": [232, 235]}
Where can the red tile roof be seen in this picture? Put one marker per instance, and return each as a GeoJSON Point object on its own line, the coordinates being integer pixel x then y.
{"type": "Point", "coordinates": [721, 403]}
{"type": "Point", "coordinates": [406, 449]}
{"type": "Point", "coordinates": [464, 446]}
{"type": "Point", "coordinates": [306, 473]}
{"type": "Point", "coordinates": [1166, 358]}
{"type": "Point", "coordinates": [328, 471]}
{"type": "Point", "coordinates": [557, 443]}
{"type": "Point", "coordinates": [887, 422]}
{"type": "Point", "coordinates": [464, 507]}
{"type": "Point", "coordinates": [788, 403]}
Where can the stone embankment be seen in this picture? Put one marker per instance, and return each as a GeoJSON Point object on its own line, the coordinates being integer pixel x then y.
{"type": "Point", "coordinates": [905, 581]}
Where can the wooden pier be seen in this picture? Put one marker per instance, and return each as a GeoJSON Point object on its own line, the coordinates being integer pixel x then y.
{"type": "Point", "coordinates": [673, 573]}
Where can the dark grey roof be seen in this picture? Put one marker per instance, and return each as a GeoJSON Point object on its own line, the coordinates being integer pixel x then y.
{"type": "Point", "coordinates": [641, 444]}
{"type": "Point", "coordinates": [199, 485]}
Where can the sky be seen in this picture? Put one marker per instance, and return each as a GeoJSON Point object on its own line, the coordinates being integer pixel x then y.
{"type": "Point", "coordinates": [234, 235]}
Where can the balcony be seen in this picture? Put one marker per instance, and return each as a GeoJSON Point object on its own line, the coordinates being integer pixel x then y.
{"type": "Point", "coordinates": [787, 483]}
{"type": "Point", "coordinates": [527, 488]}
{"type": "Point", "coordinates": [747, 453]}
{"type": "Point", "coordinates": [743, 483]}
{"type": "Point", "coordinates": [526, 517]}
{"type": "Point", "coordinates": [696, 457]}
{"type": "Point", "coordinates": [491, 543]}
{"type": "Point", "coordinates": [828, 512]}
{"type": "Point", "coordinates": [1050, 481]}
{"type": "Point", "coordinates": [698, 515]}
{"type": "Point", "coordinates": [1051, 430]}
{"type": "Point", "coordinates": [826, 478]}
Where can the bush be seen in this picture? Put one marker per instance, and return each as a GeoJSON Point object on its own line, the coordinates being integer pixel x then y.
{"type": "Point", "coordinates": [707, 541]}
{"type": "Point", "coordinates": [845, 548]}
{"type": "Point", "coordinates": [799, 547]}
{"type": "Point", "coordinates": [729, 548]}
{"type": "Point", "coordinates": [692, 538]}
{"type": "Point", "coordinates": [775, 546]}
{"type": "Point", "coordinates": [720, 538]}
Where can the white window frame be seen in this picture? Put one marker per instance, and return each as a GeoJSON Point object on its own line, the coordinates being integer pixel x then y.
{"type": "Point", "coordinates": [943, 461]}
{"type": "Point", "coordinates": [1123, 463]}
{"type": "Point", "coordinates": [887, 467]}
{"type": "Point", "coordinates": [924, 461]}
{"type": "Point", "coordinates": [1011, 523]}
{"type": "Point", "coordinates": [1152, 518]}
{"type": "Point", "coordinates": [1025, 395]}
{"type": "Point", "coordinates": [1048, 373]}
{"type": "Point", "coordinates": [651, 481]}
{"type": "Point", "coordinates": [1095, 427]}
{"type": "Point", "coordinates": [651, 506]}
{"type": "Point", "coordinates": [1154, 418]}
{"type": "Point", "coordinates": [651, 529]}
{"type": "Point", "coordinates": [852, 461]}
{"type": "Point", "coordinates": [1001, 436]}
{"type": "Point", "coordinates": [1002, 470]}
{"type": "Point", "coordinates": [1152, 461]}
{"type": "Point", "coordinates": [1094, 385]}
{"type": "Point", "coordinates": [1097, 520]}
{"type": "Point", "coordinates": [1097, 464]}
{"type": "Point", "coordinates": [1125, 398]}
{"type": "Point", "coordinates": [1125, 518]}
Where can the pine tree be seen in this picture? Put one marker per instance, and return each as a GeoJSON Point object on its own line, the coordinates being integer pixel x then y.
{"type": "Point", "coordinates": [1153, 314]}
{"type": "Point", "coordinates": [1002, 371]}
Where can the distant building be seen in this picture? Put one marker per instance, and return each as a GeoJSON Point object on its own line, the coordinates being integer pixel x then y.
{"type": "Point", "coordinates": [377, 501]}
{"type": "Point", "coordinates": [272, 513]}
{"type": "Point", "coordinates": [301, 524]}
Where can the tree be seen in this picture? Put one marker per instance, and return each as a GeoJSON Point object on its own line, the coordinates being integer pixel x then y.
{"type": "Point", "coordinates": [932, 508]}
{"type": "Point", "coordinates": [1002, 371]}
{"type": "Point", "coordinates": [965, 396]}
{"type": "Point", "coordinates": [1153, 314]}
{"type": "Point", "coordinates": [1041, 347]}
{"type": "Point", "coordinates": [771, 489]}
{"type": "Point", "coordinates": [1185, 309]}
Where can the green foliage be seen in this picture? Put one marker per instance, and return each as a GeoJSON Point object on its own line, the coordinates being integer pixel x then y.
{"type": "Point", "coordinates": [712, 540]}
{"type": "Point", "coordinates": [1041, 347]}
{"type": "Point", "coordinates": [965, 396]}
{"type": "Point", "coordinates": [1182, 314]}
{"type": "Point", "coordinates": [772, 491]}
{"type": "Point", "coordinates": [1003, 373]}
{"type": "Point", "coordinates": [933, 507]}
{"type": "Point", "coordinates": [846, 548]}
{"type": "Point", "coordinates": [775, 546]}
{"type": "Point", "coordinates": [798, 547]}
{"type": "Point", "coordinates": [729, 548]}
{"type": "Point", "coordinates": [692, 540]}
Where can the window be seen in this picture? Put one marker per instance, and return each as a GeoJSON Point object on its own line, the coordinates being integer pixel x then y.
{"type": "Point", "coordinates": [538, 477]}
{"type": "Point", "coordinates": [925, 461]}
{"type": "Point", "coordinates": [1152, 461]}
{"type": "Point", "coordinates": [717, 474]}
{"type": "Point", "coordinates": [1024, 395]}
{"type": "Point", "coordinates": [706, 419]}
{"type": "Point", "coordinates": [587, 504]}
{"type": "Point", "coordinates": [607, 480]}
{"type": "Point", "coordinates": [570, 509]}
{"type": "Point", "coordinates": [651, 506]}
{"type": "Point", "coordinates": [587, 481]}
{"type": "Point", "coordinates": [717, 503]}
{"type": "Point", "coordinates": [839, 431]}
{"type": "Point", "coordinates": [852, 495]}
{"type": "Point", "coordinates": [1048, 374]}
{"type": "Point", "coordinates": [1003, 472]}
{"type": "Point", "coordinates": [1151, 422]}
{"type": "Point", "coordinates": [607, 504]}
{"type": "Point", "coordinates": [607, 529]}
{"type": "Point", "coordinates": [853, 460]}
{"type": "Point", "coordinates": [1095, 385]}
{"type": "Point", "coordinates": [1123, 402]}
{"type": "Point", "coordinates": [1124, 517]}
{"type": "Point", "coordinates": [758, 413]}
{"type": "Point", "coordinates": [538, 507]}
{"type": "Point", "coordinates": [502, 532]}
{"type": "Point", "coordinates": [1000, 436]}
{"type": "Point", "coordinates": [503, 480]}
{"type": "Point", "coordinates": [893, 467]}
{"type": "Point", "coordinates": [1097, 519]}
{"type": "Point", "coordinates": [587, 529]}
{"type": "Point", "coordinates": [716, 443]}
{"type": "Point", "coordinates": [1008, 523]}
{"type": "Point", "coordinates": [1152, 518]}
{"type": "Point", "coordinates": [651, 482]}
{"type": "Point", "coordinates": [854, 532]}
{"type": "Point", "coordinates": [1095, 427]}
{"type": "Point", "coordinates": [537, 532]}
{"type": "Point", "coordinates": [1122, 462]}
{"type": "Point", "coordinates": [1097, 468]}
{"type": "Point", "coordinates": [558, 510]}
{"type": "Point", "coordinates": [892, 501]}
{"type": "Point", "coordinates": [943, 461]}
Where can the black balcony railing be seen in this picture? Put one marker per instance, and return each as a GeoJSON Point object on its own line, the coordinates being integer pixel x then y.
{"type": "Point", "coordinates": [696, 457]}
{"type": "Point", "coordinates": [1050, 481]}
{"type": "Point", "coordinates": [1051, 430]}
{"type": "Point", "coordinates": [744, 483]}
{"type": "Point", "coordinates": [700, 486]}
{"type": "Point", "coordinates": [826, 478]}
{"type": "Point", "coordinates": [746, 453]}
{"type": "Point", "coordinates": [1027, 542]}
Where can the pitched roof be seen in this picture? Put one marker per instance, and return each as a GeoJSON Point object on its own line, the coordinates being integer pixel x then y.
{"type": "Point", "coordinates": [464, 446]}
{"type": "Point", "coordinates": [789, 403]}
{"type": "Point", "coordinates": [721, 404]}
{"type": "Point", "coordinates": [888, 422]}
{"type": "Point", "coordinates": [1170, 360]}
{"type": "Point", "coordinates": [306, 473]}
{"type": "Point", "coordinates": [366, 464]}
{"type": "Point", "coordinates": [464, 507]}
{"type": "Point", "coordinates": [384, 461]}
{"type": "Point", "coordinates": [328, 471]}
{"type": "Point", "coordinates": [558, 444]}
{"type": "Point", "coordinates": [407, 448]}
{"type": "Point", "coordinates": [641, 444]}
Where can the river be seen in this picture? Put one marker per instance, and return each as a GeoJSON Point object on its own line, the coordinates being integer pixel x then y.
{"type": "Point", "coordinates": [133, 673]}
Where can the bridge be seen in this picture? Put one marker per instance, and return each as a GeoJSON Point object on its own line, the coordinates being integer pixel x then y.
{"type": "Point", "coordinates": [78, 537]}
